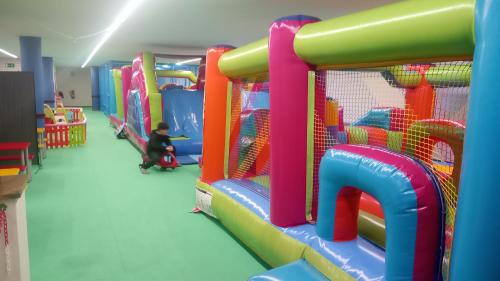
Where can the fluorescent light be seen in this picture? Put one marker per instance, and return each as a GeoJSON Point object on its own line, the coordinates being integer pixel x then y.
{"type": "Point", "coordinates": [188, 61]}
{"type": "Point", "coordinates": [120, 18]}
{"type": "Point", "coordinates": [8, 54]}
{"type": "Point", "coordinates": [163, 66]}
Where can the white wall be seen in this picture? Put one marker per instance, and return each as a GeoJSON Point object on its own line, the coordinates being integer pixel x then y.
{"type": "Point", "coordinates": [76, 79]}
{"type": "Point", "coordinates": [358, 92]}
{"type": "Point", "coordinates": [4, 64]}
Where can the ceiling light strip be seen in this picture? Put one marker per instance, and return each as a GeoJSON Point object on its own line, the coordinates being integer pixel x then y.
{"type": "Point", "coordinates": [188, 61]}
{"type": "Point", "coordinates": [8, 54]}
{"type": "Point", "coordinates": [120, 18]}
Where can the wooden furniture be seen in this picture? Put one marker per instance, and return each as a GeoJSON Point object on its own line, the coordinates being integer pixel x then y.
{"type": "Point", "coordinates": [14, 258]}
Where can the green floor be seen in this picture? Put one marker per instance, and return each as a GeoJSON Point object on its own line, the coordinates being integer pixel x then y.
{"type": "Point", "coordinates": [93, 217]}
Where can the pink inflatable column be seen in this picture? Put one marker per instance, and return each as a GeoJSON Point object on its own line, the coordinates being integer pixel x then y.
{"type": "Point", "coordinates": [126, 80]}
{"type": "Point", "coordinates": [288, 122]}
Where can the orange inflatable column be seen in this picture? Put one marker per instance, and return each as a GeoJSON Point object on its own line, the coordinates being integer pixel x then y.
{"type": "Point", "coordinates": [214, 116]}
{"type": "Point", "coordinates": [421, 100]}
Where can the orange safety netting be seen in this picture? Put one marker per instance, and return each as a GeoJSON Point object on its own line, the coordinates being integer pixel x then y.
{"type": "Point", "coordinates": [418, 110]}
{"type": "Point", "coordinates": [249, 152]}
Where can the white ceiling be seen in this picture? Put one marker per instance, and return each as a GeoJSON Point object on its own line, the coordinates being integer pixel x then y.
{"type": "Point", "coordinates": [70, 28]}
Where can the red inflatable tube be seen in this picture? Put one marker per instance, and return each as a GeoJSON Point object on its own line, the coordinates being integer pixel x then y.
{"type": "Point", "coordinates": [370, 205]}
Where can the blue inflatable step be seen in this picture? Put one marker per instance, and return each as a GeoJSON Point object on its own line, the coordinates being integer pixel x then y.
{"type": "Point", "coordinates": [299, 270]}
{"type": "Point", "coordinates": [188, 159]}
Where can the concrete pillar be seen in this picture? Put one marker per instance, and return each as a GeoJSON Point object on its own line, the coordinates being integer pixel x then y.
{"type": "Point", "coordinates": [48, 80]}
{"type": "Point", "coordinates": [94, 79]}
{"type": "Point", "coordinates": [31, 61]}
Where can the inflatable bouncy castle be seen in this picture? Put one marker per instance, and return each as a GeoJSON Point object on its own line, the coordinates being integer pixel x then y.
{"type": "Point", "coordinates": [106, 87]}
{"type": "Point", "coordinates": [357, 148]}
{"type": "Point", "coordinates": [146, 95]}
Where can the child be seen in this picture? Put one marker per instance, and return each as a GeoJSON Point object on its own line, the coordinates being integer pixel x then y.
{"type": "Point", "coordinates": [159, 141]}
{"type": "Point", "coordinates": [59, 99]}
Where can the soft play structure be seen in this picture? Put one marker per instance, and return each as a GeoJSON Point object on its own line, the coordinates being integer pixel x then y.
{"type": "Point", "coordinates": [360, 148]}
{"type": "Point", "coordinates": [64, 127]}
{"type": "Point", "coordinates": [107, 94]}
{"type": "Point", "coordinates": [145, 96]}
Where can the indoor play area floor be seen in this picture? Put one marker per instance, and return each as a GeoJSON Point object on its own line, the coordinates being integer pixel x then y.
{"type": "Point", "coordinates": [93, 216]}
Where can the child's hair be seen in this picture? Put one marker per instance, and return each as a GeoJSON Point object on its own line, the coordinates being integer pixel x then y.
{"type": "Point", "coordinates": [162, 126]}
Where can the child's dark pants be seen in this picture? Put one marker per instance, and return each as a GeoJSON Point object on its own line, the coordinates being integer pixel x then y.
{"type": "Point", "coordinates": [152, 158]}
